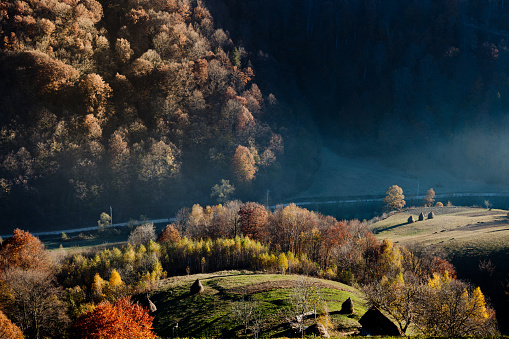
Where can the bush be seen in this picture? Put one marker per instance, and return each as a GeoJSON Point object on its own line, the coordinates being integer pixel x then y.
{"type": "Point", "coordinates": [439, 204]}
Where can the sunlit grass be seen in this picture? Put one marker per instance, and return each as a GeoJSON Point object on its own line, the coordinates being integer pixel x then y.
{"type": "Point", "coordinates": [461, 230]}
{"type": "Point", "coordinates": [209, 314]}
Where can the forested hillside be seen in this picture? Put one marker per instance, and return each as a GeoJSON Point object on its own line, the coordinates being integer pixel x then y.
{"type": "Point", "coordinates": [145, 106]}
{"type": "Point", "coordinates": [415, 83]}
{"type": "Point", "coordinates": [139, 105]}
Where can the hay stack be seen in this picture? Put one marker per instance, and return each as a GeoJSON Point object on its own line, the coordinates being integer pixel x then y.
{"type": "Point", "coordinates": [411, 219]}
{"type": "Point", "coordinates": [431, 215]}
{"type": "Point", "coordinates": [421, 216]}
{"type": "Point", "coordinates": [196, 287]}
{"type": "Point", "coordinates": [347, 306]}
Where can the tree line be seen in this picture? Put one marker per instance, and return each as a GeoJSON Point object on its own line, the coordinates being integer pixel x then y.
{"type": "Point", "coordinates": [58, 294]}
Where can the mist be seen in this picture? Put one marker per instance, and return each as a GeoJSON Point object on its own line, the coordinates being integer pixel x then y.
{"type": "Point", "coordinates": [416, 86]}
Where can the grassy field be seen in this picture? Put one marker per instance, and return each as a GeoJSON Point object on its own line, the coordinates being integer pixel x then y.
{"type": "Point", "coordinates": [458, 230]}
{"type": "Point", "coordinates": [209, 314]}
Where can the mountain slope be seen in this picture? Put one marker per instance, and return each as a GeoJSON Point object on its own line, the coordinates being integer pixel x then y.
{"type": "Point", "coordinates": [130, 104]}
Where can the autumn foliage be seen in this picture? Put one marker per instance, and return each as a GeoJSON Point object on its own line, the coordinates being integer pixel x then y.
{"type": "Point", "coordinates": [8, 330]}
{"type": "Point", "coordinates": [122, 319]}
{"type": "Point", "coordinates": [253, 220]}
{"type": "Point", "coordinates": [243, 165]}
{"type": "Point", "coordinates": [395, 198]}
{"type": "Point", "coordinates": [23, 250]}
{"type": "Point", "coordinates": [132, 100]}
{"type": "Point", "coordinates": [169, 233]}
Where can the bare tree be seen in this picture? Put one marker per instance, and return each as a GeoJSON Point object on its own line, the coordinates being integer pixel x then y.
{"type": "Point", "coordinates": [31, 298]}
{"type": "Point", "coordinates": [242, 311]}
{"type": "Point", "coordinates": [232, 217]}
{"type": "Point", "coordinates": [303, 302]}
{"type": "Point", "coordinates": [397, 297]}
{"type": "Point", "coordinates": [142, 234]}
{"type": "Point", "coordinates": [453, 308]}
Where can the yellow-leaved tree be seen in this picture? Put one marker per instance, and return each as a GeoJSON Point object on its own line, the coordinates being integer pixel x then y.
{"type": "Point", "coordinates": [282, 262]}
{"type": "Point", "coordinates": [243, 165]}
{"type": "Point", "coordinates": [97, 288]}
{"type": "Point", "coordinates": [395, 199]}
{"type": "Point", "coordinates": [115, 287]}
{"type": "Point", "coordinates": [453, 308]}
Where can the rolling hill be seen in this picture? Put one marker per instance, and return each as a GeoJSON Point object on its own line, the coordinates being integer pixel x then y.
{"type": "Point", "coordinates": [209, 313]}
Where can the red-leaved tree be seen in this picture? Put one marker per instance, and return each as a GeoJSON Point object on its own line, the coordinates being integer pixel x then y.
{"type": "Point", "coordinates": [253, 219]}
{"type": "Point", "coordinates": [120, 320]}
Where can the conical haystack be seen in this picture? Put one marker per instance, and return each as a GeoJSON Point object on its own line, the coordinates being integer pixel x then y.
{"type": "Point", "coordinates": [347, 307]}
{"type": "Point", "coordinates": [196, 287]}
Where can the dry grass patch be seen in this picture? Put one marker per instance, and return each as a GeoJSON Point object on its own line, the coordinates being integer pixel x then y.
{"type": "Point", "coordinates": [452, 228]}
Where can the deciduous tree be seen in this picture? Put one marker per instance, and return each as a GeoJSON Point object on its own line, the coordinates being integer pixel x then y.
{"type": "Point", "coordinates": [253, 219]}
{"type": "Point", "coordinates": [31, 298]}
{"type": "Point", "coordinates": [396, 296]}
{"type": "Point", "coordinates": [429, 199]}
{"type": "Point", "coordinates": [122, 319]}
{"type": "Point", "coordinates": [452, 308]}
{"type": "Point", "coordinates": [169, 233]}
{"type": "Point", "coordinates": [23, 250]}
{"type": "Point", "coordinates": [222, 192]}
{"type": "Point", "coordinates": [142, 234]}
{"type": "Point", "coordinates": [9, 330]}
{"type": "Point", "coordinates": [395, 198]}
{"type": "Point", "coordinates": [243, 165]}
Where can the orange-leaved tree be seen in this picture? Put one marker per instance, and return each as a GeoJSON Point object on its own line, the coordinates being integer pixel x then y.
{"type": "Point", "coordinates": [23, 250]}
{"type": "Point", "coordinates": [9, 330]}
{"type": "Point", "coordinates": [120, 320]}
{"type": "Point", "coordinates": [429, 199]}
{"type": "Point", "coordinates": [243, 165]}
{"type": "Point", "coordinates": [169, 234]}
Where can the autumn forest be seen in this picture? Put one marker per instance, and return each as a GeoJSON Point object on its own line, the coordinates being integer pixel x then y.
{"type": "Point", "coordinates": [142, 105]}
{"type": "Point", "coordinates": [179, 107]}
